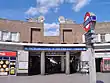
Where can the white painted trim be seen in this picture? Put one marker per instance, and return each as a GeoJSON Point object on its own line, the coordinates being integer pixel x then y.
{"type": "Point", "coordinates": [101, 49]}
{"type": "Point", "coordinates": [69, 45]}
{"type": "Point", "coordinates": [102, 55]}
{"type": "Point", "coordinates": [36, 44]}
{"type": "Point", "coordinates": [102, 44]}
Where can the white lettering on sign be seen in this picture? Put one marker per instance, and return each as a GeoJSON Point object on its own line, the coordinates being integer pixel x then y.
{"type": "Point", "coordinates": [2, 53]}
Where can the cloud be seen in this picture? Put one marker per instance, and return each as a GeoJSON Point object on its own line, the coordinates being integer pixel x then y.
{"type": "Point", "coordinates": [51, 29]}
{"type": "Point", "coordinates": [56, 10]}
{"type": "Point", "coordinates": [44, 6]}
{"type": "Point", "coordinates": [79, 4]}
{"type": "Point", "coordinates": [107, 21]}
{"type": "Point", "coordinates": [34, 11]}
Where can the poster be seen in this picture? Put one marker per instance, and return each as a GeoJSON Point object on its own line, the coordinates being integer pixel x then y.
{"type": "Point", "coordinates": [23, 65]}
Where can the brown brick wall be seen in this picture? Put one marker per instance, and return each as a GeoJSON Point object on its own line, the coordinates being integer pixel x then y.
{"type": "Point", "coordinates": [51, 39]}
{"type": "Point", "coordinates": [72, 32]}
{"type": "Point", "coordinates": [76, 34]}
{"type": "Point", "coordinates": [23, 27]}
{"type": "Point", "coordinates": [103, 27]}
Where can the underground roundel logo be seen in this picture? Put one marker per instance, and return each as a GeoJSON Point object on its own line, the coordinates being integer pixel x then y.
{"type": "Point", "coordinates": [87, 27]}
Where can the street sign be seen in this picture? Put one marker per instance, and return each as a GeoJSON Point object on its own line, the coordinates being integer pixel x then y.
{"type": "Point", "coordinates": [89, 17]}
{"type": "Point", "coordinates": [52, 48]}
{"type": "Point", "coordinates": [90, 37]}
{"type": "Point", "coordinates": [87, 27]}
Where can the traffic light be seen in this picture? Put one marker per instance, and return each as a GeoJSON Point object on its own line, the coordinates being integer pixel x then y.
{"type": "Point", "coordinates": [90, 37]}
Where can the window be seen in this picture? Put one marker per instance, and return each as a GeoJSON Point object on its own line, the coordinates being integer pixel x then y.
{"type": "Point", "coordinates": [83, 38]}
{"type": "Point", "coordinates": [107, 37]}
{"type": "Point", "coordinates": [0, 57]}
{"type": "Point", "coordinates": [9, 36]}
{"type": "Point", "coordinates": [14, 36]}
{"type": "Point", "coordinates": [6, 58]}
{"type": "Point", "coordinates": [106, 62]}
{"type": "Point", "coordinates": [12, 58]}
{"type": "Point", "coordinates": [5, 36]}
{"type": "Point", "coordinates": [96, 38]}
{"type": "Point", "coordinates": [102, 37]}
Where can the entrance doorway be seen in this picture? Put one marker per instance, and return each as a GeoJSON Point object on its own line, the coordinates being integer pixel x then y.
{"type": "Point", "coordinates": [53, 64]}
{"type": "Point", "coordinates": [34, 63]}
{"type": "Point", "coordinates": [74, 64]}
{"type": "Point", "coordinates": [56, 63]}
{"type": "Point", "coordinates": [98, 64]}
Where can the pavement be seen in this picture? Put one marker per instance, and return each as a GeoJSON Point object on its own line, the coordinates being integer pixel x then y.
{"type": "Point", "coordinates": [54, 78]}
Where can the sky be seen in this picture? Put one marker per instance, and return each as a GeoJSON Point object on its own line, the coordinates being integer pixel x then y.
{"type": "Point", "coordinates": [52, 9]}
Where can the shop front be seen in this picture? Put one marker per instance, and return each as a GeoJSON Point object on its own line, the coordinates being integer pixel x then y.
{"type": "Point", "coordinates": [7, 63]}
{"type": "Point", "coordinates": [51, 59]}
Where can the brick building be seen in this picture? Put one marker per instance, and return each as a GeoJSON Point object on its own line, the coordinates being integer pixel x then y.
{"type": "Point", "coordinates": [32, 31]}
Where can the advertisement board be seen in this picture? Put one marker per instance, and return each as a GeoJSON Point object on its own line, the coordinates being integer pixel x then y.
{"type": "Point", "coordinates": [23, 65]}
{"type": "Point", "coordinates": [8, 53]}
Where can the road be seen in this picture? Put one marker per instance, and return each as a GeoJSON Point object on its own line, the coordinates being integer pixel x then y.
{"type": "Point", "coordinates": [54, 78]}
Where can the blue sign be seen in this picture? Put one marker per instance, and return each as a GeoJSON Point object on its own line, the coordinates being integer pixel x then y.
{"type": "Point", "coordinates": [53, 48]}
{"type": "Point", "coordinates": [93, 18]}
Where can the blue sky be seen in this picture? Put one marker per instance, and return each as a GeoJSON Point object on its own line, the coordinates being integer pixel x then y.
{"type": "Point", "coordinates": [52, 9]}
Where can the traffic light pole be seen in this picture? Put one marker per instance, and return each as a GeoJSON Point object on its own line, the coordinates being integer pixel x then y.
{"type": "Point", "coordinates": [89, 26]}
{"type": "Point", "coordinates": [92, 67]}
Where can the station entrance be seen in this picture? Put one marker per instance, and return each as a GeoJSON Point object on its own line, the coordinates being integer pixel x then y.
{"type": "Point", "coordinates": [55, 62]}
{"type": "Point", "coordinates": [98, 64]}
{"type": "Point", "coordinates": [53, 65]}
{"type": "Point", "coordinates": [34, 63]}
{"type": "Point", "coordinates": [74, 62]}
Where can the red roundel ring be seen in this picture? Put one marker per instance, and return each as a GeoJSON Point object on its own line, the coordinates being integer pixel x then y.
{"type": "Point", "coordinates": [87, 15]}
